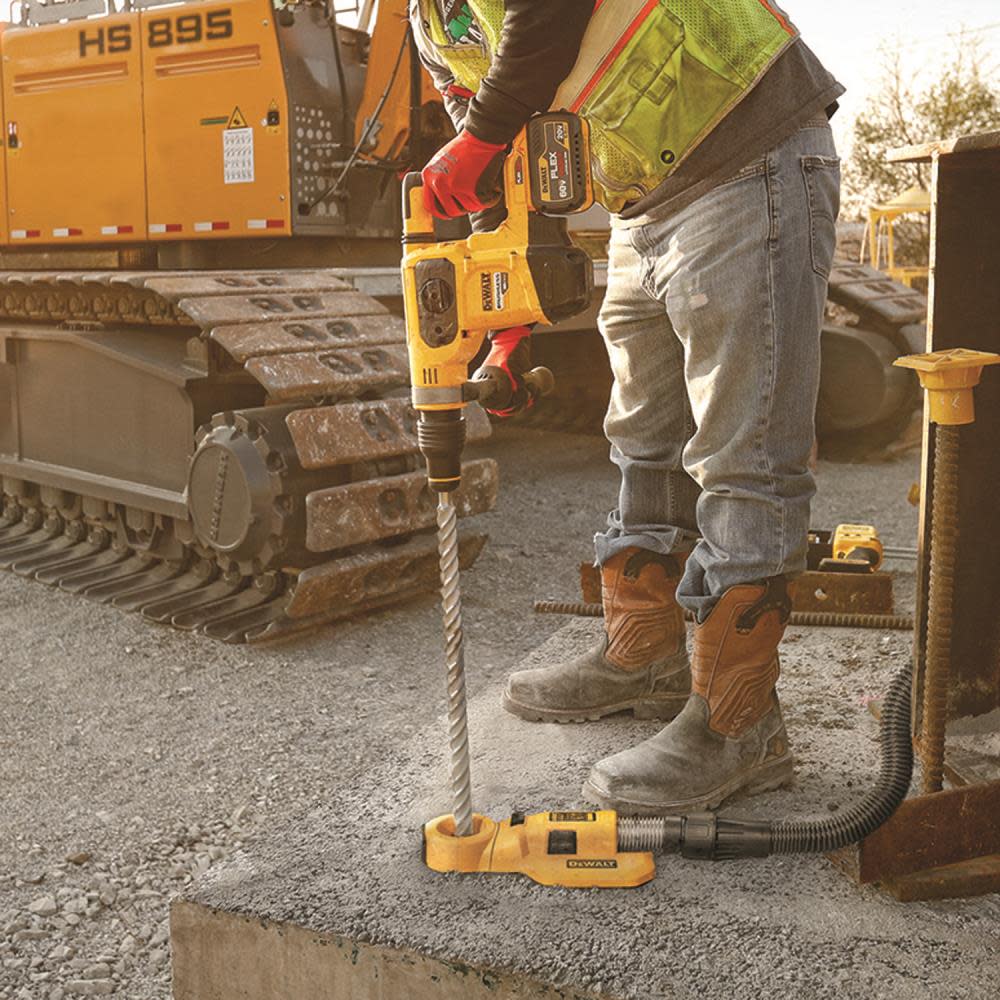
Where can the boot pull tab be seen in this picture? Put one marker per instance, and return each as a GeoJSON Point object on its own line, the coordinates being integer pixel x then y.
{"type": "Point", "coordinates": [642, 558]}
{"type": "Point", "coordinates": [774, 598]}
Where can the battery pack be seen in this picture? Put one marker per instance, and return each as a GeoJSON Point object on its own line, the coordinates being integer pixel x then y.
{"type": "Point", "coordinates": [559, 163]}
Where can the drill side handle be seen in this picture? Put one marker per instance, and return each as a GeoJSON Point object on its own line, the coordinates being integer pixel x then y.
{"type": "Point", "coordinates": [492, 387]}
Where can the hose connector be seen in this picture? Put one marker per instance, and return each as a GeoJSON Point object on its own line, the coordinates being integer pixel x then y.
{"type": "Point", "coordinates": [707, 837]}
{"type": "Point", "coordinates": [699, 836]}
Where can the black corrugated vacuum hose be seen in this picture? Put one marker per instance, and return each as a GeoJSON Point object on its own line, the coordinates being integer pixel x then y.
{"type": "Point", "coordinates": [717, 838]}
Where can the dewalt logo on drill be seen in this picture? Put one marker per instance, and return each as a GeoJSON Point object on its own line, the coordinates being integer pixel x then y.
{"type": "Point", "coordinates": [592, 863]}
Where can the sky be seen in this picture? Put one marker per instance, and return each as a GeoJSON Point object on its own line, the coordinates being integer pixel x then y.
{"type": "Point", "coordinates": [846, 35]}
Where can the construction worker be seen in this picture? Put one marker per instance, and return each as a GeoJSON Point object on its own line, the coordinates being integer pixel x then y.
{"type": "Point", "coordinates": [712, 150]}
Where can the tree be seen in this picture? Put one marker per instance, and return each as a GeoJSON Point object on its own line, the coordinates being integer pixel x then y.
{"type": "Point", "coordinates": [962, 98]}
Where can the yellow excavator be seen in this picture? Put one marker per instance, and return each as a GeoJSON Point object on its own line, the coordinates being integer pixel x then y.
{"type": "Point", "coordinates": [203, 406]}
{"type": "Point", "coordinates": [192, 423]}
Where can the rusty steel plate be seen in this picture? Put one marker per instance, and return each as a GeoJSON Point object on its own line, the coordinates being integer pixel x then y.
{"type": "Point", "coordinates": [373, 509]}
{"type": "Point", "coordinates": [278, 307]}
{"type": "Point", "coordinates": [933, 830]}
{"type": "Point", "coordinates": [250, 340]}
{"type": "Point", "coordinates": [590, 583]}
{"type": "Point", "coordinates": [183, 285]}
{"type": "Point", "coordinates": [978, 877]}
{"type": "Point", "coordinates": [843, 593]}
{"type": "Point", "coordinates": [357, 432]}
{"type": "Point", "coordinates": [341, 372]}
{"type": "Point", "coordinates": [832, 593]}
{"type": "Point", "coordinates": [355, 581]}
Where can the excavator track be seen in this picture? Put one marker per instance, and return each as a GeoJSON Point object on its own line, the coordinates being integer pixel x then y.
{"type": "Point", "coordinates": [229, 453]}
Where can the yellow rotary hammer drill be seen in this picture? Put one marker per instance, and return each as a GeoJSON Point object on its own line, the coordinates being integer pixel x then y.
{"type": "Point", "coordinates": [455, 291]}
{"type": "Point", "coordinates": [523, 272]}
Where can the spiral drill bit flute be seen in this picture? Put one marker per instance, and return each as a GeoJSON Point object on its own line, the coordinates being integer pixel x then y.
{"type": "Point", "coordinates": [458, 722]}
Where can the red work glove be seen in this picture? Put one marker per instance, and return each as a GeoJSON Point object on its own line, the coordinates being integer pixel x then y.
{"type": "Point", "coordinates": [463, 177]}
{"type": "Point", "coordinates": [505, 366]}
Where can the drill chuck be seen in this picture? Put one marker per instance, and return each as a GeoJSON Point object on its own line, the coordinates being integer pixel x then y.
{"type": "Point", "coordinates": [441, 439]}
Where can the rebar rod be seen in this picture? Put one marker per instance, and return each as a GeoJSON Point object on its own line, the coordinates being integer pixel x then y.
{"type": "Point", "coordinates": [458, 720]}
{"type": "Point", "coordinates": [820, 619]}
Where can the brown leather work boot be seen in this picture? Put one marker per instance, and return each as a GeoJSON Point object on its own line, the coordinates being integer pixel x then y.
{"type": "Point", "coordinates": [641, 664]}
{"type": "Point", "coordinates": [730, 735]}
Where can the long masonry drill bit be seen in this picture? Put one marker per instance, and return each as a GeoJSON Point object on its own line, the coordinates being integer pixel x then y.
{"type": "Point", "coordinates": [458, 720]}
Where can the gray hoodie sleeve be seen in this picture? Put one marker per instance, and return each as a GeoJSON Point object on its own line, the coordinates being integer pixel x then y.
{"type": "Point", "coordinates": [539, 45]}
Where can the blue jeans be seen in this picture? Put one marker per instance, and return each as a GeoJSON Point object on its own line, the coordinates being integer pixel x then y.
{"type": "Point", "coordinates": [712, 322]}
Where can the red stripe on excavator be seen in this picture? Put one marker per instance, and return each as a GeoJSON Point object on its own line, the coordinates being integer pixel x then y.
{"type": "Point", "coordinates": [614, 53]}
{"type": "Point", "coordinates": [781, 19]}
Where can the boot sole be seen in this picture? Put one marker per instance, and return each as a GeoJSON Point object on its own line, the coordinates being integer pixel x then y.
{"type": "Point", "coordinates": [763, 778]}
{"type": "Point", "coordinates": [661, 709]}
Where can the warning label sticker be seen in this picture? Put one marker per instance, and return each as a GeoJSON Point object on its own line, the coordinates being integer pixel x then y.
{"type": "Point", "coordinates": [273, 119]}
{"type": "Point", "coordinates": [237, 156]}
{"type": "Point", "coordinates": [236, 119]}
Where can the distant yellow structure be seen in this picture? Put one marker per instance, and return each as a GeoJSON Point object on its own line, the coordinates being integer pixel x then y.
{"type": "Point", "coordinates": [881, 235]}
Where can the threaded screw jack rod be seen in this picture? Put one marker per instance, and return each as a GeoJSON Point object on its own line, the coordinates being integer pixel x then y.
{"type": "Point", "coordinates": [458, 719]}
{"type": "Point", "coordinates": [940, 598]}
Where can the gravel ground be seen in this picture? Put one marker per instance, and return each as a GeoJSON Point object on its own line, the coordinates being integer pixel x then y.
{"type": "Point", "coordinates": [770, 929]}
{"type": "Point", "coordinates": [132, 757]}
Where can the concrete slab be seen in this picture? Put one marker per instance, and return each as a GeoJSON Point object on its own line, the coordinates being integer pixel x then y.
{"type": "Point", "coordinates": [337, 903]}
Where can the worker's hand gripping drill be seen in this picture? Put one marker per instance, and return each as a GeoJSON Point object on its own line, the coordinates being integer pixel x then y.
{"type": "Point", "coordinates": [513, 387]}
{"type": "Point", "coordinates": [463, 176]}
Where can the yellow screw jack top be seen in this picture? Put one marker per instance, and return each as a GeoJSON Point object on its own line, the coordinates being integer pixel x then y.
{"type": "Point", "coordinates": [949, 378]}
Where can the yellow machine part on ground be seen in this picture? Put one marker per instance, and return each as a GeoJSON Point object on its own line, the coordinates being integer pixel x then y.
{"type": "Point", "coordinates": [166, 124]}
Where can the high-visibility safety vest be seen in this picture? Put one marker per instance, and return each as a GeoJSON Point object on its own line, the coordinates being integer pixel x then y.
{"type": "Point", "coordinates": [653, 77]}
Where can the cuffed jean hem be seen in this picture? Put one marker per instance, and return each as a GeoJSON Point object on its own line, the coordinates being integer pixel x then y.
{"type": "Point", "coordinates": [609, 543]}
